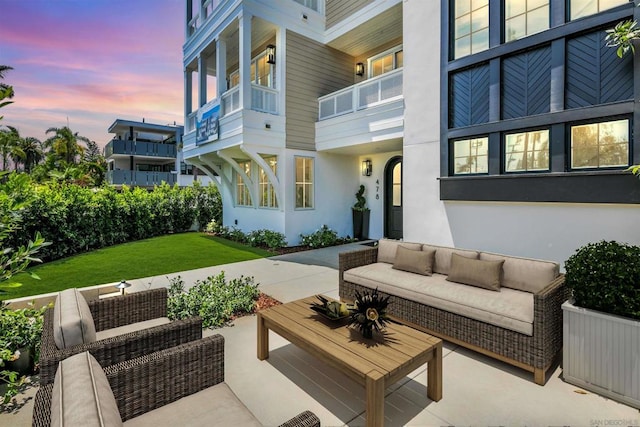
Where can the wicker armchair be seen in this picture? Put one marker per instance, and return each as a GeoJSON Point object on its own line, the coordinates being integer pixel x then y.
{"type": "Point", "coordinates": [149, 382]}
{"type": "Point", "coordinates": [115, 312]}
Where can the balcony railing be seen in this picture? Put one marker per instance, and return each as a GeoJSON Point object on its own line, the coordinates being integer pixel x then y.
{"type": "Point", "coordinates": [372, 92]}
{"type": "Point", "coordinates": [230, 101]}
{"type": "Point", "coordinates": [264, 99]}
{"type": "Point", "coordinates": [139, 148]}
{"type": "Point", "coordinates": [140, 179]}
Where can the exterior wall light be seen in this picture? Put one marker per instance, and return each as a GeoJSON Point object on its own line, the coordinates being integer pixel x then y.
{"type": "Point", "coordinates": [367, 167]}
{"type": "Point", "coordinates": [360, 69]}
{"type": "Point", "coordinates": [271, 54]}
{"type": "Point", "coordinates": [122, 286]}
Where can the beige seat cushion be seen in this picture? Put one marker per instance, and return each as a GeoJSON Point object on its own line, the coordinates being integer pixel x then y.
{"type": "Point", "coordinates": [529, 275]}
{"type": "Point", "coordinates": [72, 320]}
{"type": "Point", "coordinates": [133, 327]}
{"type": "Point", "coordinates": [443, 257]}
{"type": "Point", "coordinates": [420, 262]}
{"type": "Point", "coordinates": [387, 249]}
{"type": "Point", "coordinates": [214, 406]}
{"type": "Point", "coordinates": [475, 272]}
{"type": "Point", "coordinates": [82, 395]}
{"type": "Point", "coordinates": [510, 309]}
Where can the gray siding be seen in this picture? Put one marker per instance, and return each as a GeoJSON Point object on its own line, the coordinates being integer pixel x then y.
{"type": "Point", "coordinates": [313, 70]}
{"type": "Point", "coordinates": [337, 10]}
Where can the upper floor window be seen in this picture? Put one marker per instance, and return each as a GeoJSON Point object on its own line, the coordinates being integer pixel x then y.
{"type": "Point", "coordinates": [471, 156]}
{"type": "Point", "coordinates": [311, 4]}
{"type": "Point", "coordinates": [243, 195]}
{"type": "Point", "coordinates": [470, 27]}
{"type": "Point", "coordinates": [525, 17]}
{"type": "Point", "coordinates": [262, 73]}
{"type": "Point", "coordinates": [580, 8]}
{"type": "Point", "coordinates": [385, 62]}
{"type": "Point", "coordinates": [600, 145]}
{"type": "Point", "coordinates": [234, 79]}
{"type": "Point", "coordinates": [267, 192]}
{"type": "Point", "coordinates": [527, 151]}
{"type": "Point", "coordinates": [304, 182]}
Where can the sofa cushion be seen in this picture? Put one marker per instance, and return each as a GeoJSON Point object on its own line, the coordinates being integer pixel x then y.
{"type": "Point", "coordinates": [81, 394]}
{"type": "Point", "coordinates": [475, 272]}
{"type": "Point", "coordinates": [529, 275]}
{"type": "Point", "coordinates": [443, 257]}
{"type": "Point", "coordinates": [387, 249]}
{"type": "Point", "coordinates": [509, 308]}
{"type": "Point", "coordinates": [213, 406]}
{"type": "Point", "coordinates": [72, 320]}
{"type": "Point", "coordinates": [131, 327]}
{"type": "Point", "coordinates": [420, 262]}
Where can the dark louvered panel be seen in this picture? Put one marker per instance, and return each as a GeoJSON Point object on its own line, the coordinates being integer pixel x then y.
{"type": "Point", "coordinates": [595, 74]}
{"type": "Point", "coordinates": [469, 97]}
{"type": "Point", "coordinates": [526, 83]}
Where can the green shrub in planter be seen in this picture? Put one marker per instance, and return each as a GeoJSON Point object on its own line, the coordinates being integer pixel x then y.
{"type": "Point", "coordinates": [605, 276]}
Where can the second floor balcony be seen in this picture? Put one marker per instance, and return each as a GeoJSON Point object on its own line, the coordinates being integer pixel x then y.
{"type": "Point", "coordinates": [139, 148]}
{"type": "Point", "coordinates": [139, 178]}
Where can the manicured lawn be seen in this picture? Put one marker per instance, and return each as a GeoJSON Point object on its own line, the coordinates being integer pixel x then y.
{"type": "Point", "coordinates": [144, 258]}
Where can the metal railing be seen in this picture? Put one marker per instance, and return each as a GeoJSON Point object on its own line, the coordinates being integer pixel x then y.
{"type": "Point", "coordinates": [140, 179]}
{"type": "Point", "coordinates": [372, 92]}
{"type": "Point", "coordinates": [139, 148]}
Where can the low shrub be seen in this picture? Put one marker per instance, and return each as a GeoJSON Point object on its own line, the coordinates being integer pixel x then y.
{"type": "Point", "coordinates": [262, 238]}
{"type": "Point", "coordinates": [605, 276]}
{"type": "Point", "coordinates": [323, 237]}
{"type": "Point", "coordinates": [214, 299]}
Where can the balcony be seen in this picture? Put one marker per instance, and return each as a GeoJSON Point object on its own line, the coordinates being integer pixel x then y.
{"type": "Point", "coordinates": [139, 148]}
{"type": "Point", "coordinates": [139, 179]}
{"type": "Point", "coordinates": [370, 111]}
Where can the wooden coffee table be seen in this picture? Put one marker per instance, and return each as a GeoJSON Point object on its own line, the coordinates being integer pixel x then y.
{"type": "Point", "coordinates": [374, 363]}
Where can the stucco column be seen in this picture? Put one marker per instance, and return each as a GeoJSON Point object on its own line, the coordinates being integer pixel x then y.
{"type": "Point", "coordinates": [188, 100]}
{"type": "Point", "coordinates": [221, 67]}
{"type": "Point", "coordinates": [202, 80]}
{"type": "Point", "coordinates": [281, 48]}
{"type": "Point", "coordinates": [245, 60]}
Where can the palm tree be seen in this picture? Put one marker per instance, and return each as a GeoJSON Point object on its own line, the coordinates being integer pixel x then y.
{"type": "Point", "coordinates": [32, 149]}
{"type": "Point", "coordinates": [65, 144]}
{"type": "Point", "coordinates": [8, 145]}
{"type": "Point", "coordinates": [6, 91]}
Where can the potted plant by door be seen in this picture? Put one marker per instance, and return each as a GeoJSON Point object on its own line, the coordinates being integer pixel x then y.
{"type": "Point", "coordinates": [601, 323]}
{"type": "Point", "coordinates": [360, 213]}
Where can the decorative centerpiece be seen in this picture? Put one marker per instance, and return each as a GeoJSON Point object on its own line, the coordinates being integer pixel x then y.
{"type": "Point", "coordinates": [369, 313]}
{"type": "Point", "coordinates": [332, 310]}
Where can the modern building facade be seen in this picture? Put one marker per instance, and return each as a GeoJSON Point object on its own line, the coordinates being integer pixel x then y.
{"type": "Point", "coordinates": [145, 154]}
{"type": "Point", "coordinates": [501, 125]}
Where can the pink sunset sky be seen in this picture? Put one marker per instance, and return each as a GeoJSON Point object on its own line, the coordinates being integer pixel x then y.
{"type": "Point", "coordinates": [90, 62]}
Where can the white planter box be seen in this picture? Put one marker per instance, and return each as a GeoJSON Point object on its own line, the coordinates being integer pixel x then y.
{"type": "Point", "coordinates": [601, 353]}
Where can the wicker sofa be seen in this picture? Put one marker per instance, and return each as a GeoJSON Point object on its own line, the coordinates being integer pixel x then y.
{"type": "Point", "coordinates": [519, 321]}
{"type": "Point", "coordinates": [125, 327]}
{"type": "Point", "coordinates": [183, 385]}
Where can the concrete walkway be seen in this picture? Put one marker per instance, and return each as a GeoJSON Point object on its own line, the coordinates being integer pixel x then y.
{"type": "Point", "coordinates": [477, 390]}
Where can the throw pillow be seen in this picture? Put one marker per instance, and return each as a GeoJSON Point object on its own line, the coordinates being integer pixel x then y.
{"type": "Point", "coordinates": [475, 272]}
{"type": "Point", "coordinates": [387, 249]}
{"type": "Point", "coordinates": [414, 261]}
{"type": "Point", "coordinates": [81, 394]}
{"type": "Point", "coordinates": [72, 320]}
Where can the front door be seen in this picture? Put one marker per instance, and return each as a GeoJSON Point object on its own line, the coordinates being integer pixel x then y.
{"type": "Point", "coordinates": [393, 198]}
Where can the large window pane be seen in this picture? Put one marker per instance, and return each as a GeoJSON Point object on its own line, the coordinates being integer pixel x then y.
{"type": "Point", "coordinates": [471, 156]}
{"type": "Point", "coordinates": [599, 145]}
{"type": "Point", "coordinates": [267, 191]}
{"type": "Point", "coordinates": [525, 17]}
{"type": "Point", "coordinates": [580, 8]}
{"type": "Point", "coordinates": [470, 27]}
{"type": "Point", "coordinates": [243, 196]}
{"type": "Point", "coordinates": [304, 182]}
{"type": "Point", "coordinates": [397, 185]}
{"type": "Point", "coordinates": [527, 151]}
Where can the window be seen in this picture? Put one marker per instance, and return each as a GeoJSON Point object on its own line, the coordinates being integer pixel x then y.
{"type": "Point", "coordinates": [527, 151]}
{"type": "Point", "coordinates": [243, 196]}
{"type": "Point", "coordinates": [386, 62]}
{"type": "Point", "coordinates": [397, 185]}
{"type": "Point", "coordinates": [311, 4]}
{"type": "Point", "coordinates": [600, 145]}
{"type": "Point", "coordinates": [304, 182]}
{"type": "Point", "coordinates": [262, 73]}
{"type": "Point", "coordinates": [471, 156]}
{"type": "Point", "coordinates": [234, 79]}
{"type": "Point", "coordinates": [267, 192]}
{"type": "Point", "coordinates": [525, 17]}
{"type": "Point", "coordinates": [470, 27]}
{"type": "Point", "coordinates": [580, 8]}
{"type": "Point", "coordinates": [186, 169]}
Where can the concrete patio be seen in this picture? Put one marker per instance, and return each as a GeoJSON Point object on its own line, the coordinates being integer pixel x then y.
{"type": "Point", "coordinates": [477, 390]}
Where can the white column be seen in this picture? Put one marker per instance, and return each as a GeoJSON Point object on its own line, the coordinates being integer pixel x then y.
{"type": "Point", "coordinates": [245, 60]}
{"type": "Point", "coordinates": [202, 80]}
{"type": "Point", "coordinates": [281, 49]}
{"type": "Point", "coordinates": [188, 101]}
{"type": "Point", "coordinates": [221, 67]}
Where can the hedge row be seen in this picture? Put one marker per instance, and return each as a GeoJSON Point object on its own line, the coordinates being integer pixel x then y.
{"type": "Point", "coordinates": [77, 219]}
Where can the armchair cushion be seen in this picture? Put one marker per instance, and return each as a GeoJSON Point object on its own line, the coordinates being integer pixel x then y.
{"type": "Point", "coordinates": [82, 395]}
{"type": "Point", "coordinates": [72, 320]}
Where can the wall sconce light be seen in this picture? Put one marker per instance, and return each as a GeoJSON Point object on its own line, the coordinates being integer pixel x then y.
{"type": "Point", "coordinates": [271, 54]}
{"type": "Point", "coordinates": [122, 286]}
{"type": "Point", "coordinates": [360, 69]}
{"type": "Point", "coordinates": [367, 167]}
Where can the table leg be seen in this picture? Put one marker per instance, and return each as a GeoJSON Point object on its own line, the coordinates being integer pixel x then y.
{"type": "Point", "coordinates": [375, 399]}
{"type": "Point", "coordinates": [434, 371]}
{"type": "Point", "coordinates": [263, 339]}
